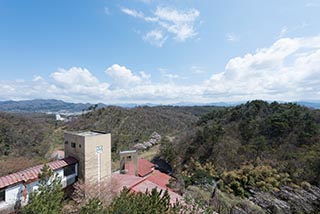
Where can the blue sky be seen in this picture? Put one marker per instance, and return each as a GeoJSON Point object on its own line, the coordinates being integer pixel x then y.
{"type": "Point", "coordinates": [169, 51]}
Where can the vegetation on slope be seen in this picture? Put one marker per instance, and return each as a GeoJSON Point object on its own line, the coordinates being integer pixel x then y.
{"type": "Point", "coordinates": [132, 125]}
{"type": "Point", "coordinates": [24, 139]}
{"type": "Point", "coordinates": [281, 137]}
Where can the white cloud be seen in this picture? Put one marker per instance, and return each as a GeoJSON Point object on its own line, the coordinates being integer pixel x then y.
{"type": "Point", "coordinates": [171, 76]}
{"type": "Point", "coordinates": [145, 75]}
{"type": "Point", "coordinates": [155, 37]}
{"type": "Point", "coordinates": [180, 24]}
{"type": "Point", "coordinates": [198, 70]}
{"type": "Point", "coordinates": [122, 76]}
{"type": "Point", "coordinates": [231, 37]}
{"type": "Point", "coordinates": [133, 13]}
{"type": "Point", "coordinates": [73, 77]}
{"type": "Point", "coordinates": [288, 70]}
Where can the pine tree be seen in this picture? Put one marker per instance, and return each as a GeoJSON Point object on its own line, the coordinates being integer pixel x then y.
{"type": "Point", "coordinates": [47, 198]}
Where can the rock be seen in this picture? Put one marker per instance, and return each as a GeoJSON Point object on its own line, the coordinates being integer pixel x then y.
{"type": "Point", "coordinates": [289, 200]}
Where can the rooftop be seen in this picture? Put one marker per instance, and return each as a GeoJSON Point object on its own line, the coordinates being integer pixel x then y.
{"type": "Point", "coordinates": [145, 167]}
{"type": "Point", "coordinates": [31, 174]}
{"type": "Point", "coordinates": [86, 133]}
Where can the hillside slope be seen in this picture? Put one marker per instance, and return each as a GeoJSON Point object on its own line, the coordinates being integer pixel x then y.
{"type": "Point", "coordinates": [24, 140]}
{"type": "Point", "coordinates": [265, 152]}
{"type": "Point", "coordinates": [286, 136]}
{"type": "Point", "coordinates": [42, 105]}
{"type": "Point", "coordinates": [132, 125]}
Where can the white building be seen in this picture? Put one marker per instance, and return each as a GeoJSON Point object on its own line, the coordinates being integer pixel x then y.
{"type": "Point", "coordinates": [16, 187]}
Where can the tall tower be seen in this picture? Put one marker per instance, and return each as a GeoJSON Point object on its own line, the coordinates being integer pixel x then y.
{"type": "Point", "coordinates": [93, 151]}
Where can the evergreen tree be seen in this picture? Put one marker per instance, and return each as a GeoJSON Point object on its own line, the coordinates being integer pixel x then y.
{"type": "Point", "coordinates": [47, 198]}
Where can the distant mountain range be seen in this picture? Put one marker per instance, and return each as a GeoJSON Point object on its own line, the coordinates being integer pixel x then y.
{"type": "Point", "coordinates": [315, 105]}
{"type": "Point", "coordinates": [59, 106]}
{"type": "Point", "coordinates": [49, 105]}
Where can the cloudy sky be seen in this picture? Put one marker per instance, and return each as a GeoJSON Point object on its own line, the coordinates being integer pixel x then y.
{"type": "Point", "coordinates": [168, 51]}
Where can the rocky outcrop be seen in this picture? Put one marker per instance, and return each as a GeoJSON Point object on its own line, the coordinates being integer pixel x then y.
{"type": "Point", "coordinates": [289, 200]}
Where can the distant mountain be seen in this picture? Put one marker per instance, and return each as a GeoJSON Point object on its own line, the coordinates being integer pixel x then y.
{"type": "Point", "coordinates": [42, 105]}
{"type": "Point", "coordinates": [315, 105]}
{"type": "Point", "coordinates": [59, 106]}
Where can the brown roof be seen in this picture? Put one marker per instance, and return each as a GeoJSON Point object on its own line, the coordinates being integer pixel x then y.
{"type": "Point", "coordinates": [139, 184]}
{"type": "Point", "coordinates": [148, 186]}
{"type": "Point", "coordinates": [125, 180]}
{"type": "Point", "coordinates": [31, 174]}
{"type": "Point", "coordinates": [145, 167]}
{"type": "Point", "coordinates": [159, 178]}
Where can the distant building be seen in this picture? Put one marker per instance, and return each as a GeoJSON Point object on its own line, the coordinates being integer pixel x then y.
{"type": "Point", "coordinates": [58, 117]}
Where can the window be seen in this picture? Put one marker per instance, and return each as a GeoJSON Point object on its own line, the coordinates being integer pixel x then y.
{"type": "Point", "coordinates": [66, 142]}
{"type": "Point", "coordinates": [79, 145]}
{"type": "Point", "coordinates": [2, 195]}
{"type": "Point", "coordinates": [69, 170]}
{"type": "Point", "coordinates": [73, 145]}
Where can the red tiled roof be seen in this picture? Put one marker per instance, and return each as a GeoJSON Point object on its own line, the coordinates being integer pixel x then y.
{"type": "Point", "coordinates": [156, 180]}
{"type": "Point", "coordinates": [31, 174]}
{"type": "Point", "coordinates": [148, 186]}
{"type": "Point", "coordinates": [145, 167]}
{"type": "Point", "coordinates": [125, 180]}
{"type": "Point", "coordinates": [159, 178]}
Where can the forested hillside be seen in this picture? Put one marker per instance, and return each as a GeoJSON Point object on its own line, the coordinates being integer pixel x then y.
{"type": "Point", "coordinates": [132, 125]}
{"type": "Point", "coordinates": [286, 136]}
{"type": "Point", "coordinates": [253, 147]}
{"type": "Point", "coordinates": [24, 140]}
{"type": "Point", "coordinates": [262, 156]}
{"type": "Point", "coordinates": [29, 138]}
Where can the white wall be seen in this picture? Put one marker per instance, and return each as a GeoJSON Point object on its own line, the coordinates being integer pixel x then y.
{"type": "Point", "coordinates": [14, 193]}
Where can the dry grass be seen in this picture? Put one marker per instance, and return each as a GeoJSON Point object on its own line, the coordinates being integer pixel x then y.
{"type": "Point", "coordinates": [150, 153]}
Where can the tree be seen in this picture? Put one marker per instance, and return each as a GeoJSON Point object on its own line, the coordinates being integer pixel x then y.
{"type": "Point", "coordinates": [93, 206]}
{"type": "Point", "coordinates": [149, 202]}
{"type": "Point", "coordinates": [47, 198]}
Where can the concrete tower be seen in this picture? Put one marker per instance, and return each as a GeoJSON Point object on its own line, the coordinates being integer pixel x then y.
{"type": "Point", "coordinates": [93, 151]}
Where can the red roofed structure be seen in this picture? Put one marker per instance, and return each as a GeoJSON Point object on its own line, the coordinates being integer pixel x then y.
{"type": "Point", "coordinates": [148, 186]}
{"type": "Point", "coordinates": [160, 178]}
{"type": "Point", "coordinates": [145, 167]}
{"type": "Point", "coordinates": [31, 174]}
{"type": "Point", "coordinates": [16, 187]}
{"type": "Point", "coordinates": [148, 179]}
